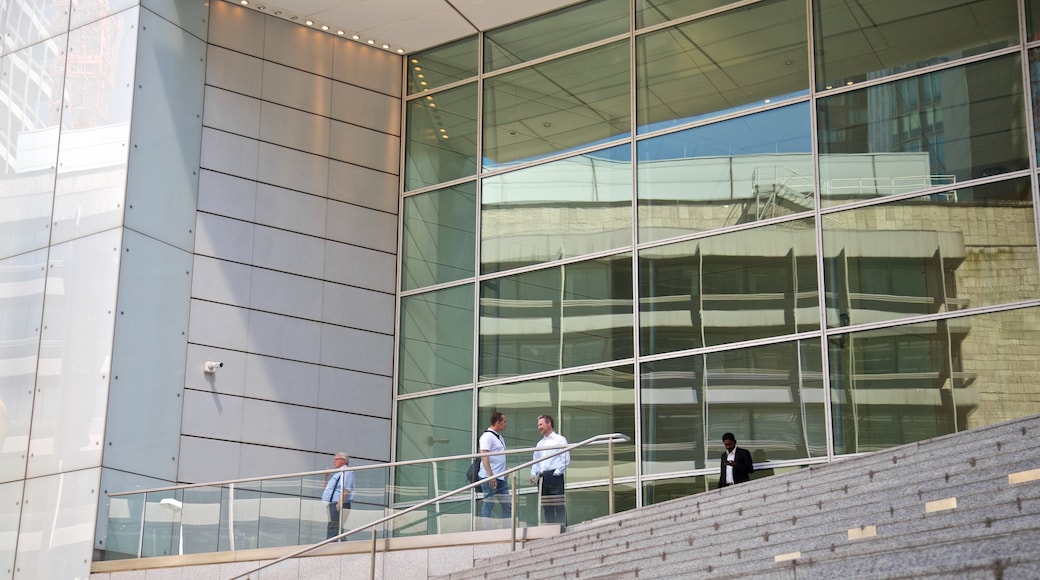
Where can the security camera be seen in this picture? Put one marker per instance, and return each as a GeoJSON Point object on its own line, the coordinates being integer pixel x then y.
{"type": "Point", "coordinates": [211, 366]}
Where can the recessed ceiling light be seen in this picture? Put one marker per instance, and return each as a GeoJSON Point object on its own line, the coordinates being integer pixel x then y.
{"type": "Point", "coordinates": [261, 7]}
{"type": "Point", "coordinates": [400, 51]}
{"type": "Point", "coordinates": [356, 37]}
{"type": "Point", "coordinates": [415, 61]}
{"type": "Point", "coordinates": [386, 46]}
{"type": "Point", "coordinates": [310, 23]}
{"type": "Point", "coordinates": [444, 136]}
{"type": "Point", "coordinates": [340, 32]}
{"type": "Point", "coordinates": [323, 27]}
{"type": "Point", "coordinates": [371, 42]}
{"type": "Point", "coordinates": [245, 2]}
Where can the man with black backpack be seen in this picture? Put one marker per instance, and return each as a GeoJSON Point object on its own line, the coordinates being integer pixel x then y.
{"type": "Point", "coordinates": [496, 491]}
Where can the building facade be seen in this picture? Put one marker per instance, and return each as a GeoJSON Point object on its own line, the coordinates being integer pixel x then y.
{"type": "Point", "coordinates": [806, 222]}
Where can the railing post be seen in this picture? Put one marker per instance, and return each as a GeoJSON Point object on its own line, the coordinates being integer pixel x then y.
{"type": "Point", "coordinates": [512, 512]}
{"type": "Point", "coordinates": [140, 536]}
{"type": "Point", "coordinates": [231, 516]}
{"type": "Point", "coordinates": [372, 560]}
{"type": "Point", "coordinates": [610, 476]}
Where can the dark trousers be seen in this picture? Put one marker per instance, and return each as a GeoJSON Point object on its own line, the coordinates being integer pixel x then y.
{"type": "Point", "coordinates": [334, 521]}
{"type": "Point", "coordinates": [554, 508]}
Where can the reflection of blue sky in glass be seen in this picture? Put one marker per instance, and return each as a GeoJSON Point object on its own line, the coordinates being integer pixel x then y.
{"type": "Point", "coordinates": [784, 130]}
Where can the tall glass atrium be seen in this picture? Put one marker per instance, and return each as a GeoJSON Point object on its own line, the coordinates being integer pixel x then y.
{"type": "Point", "coordinates": [809, 223]}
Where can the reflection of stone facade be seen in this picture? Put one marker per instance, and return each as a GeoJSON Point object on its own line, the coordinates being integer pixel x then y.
{"type": "Point", "coordinates": [1003, 350]}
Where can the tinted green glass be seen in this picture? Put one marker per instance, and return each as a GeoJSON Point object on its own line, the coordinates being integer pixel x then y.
{"type": "Point", "coordinates": [436, 340]}
{"type": "Point", "coordinates": [661, 490]}
{"type": "Point", "coordinates": [734, 60]}
{"type": "Point", "coordinates": [929, 131]}
{"type": "Point", "coordinates": [727, 173]}
{"type": "Point", "coordinates": [567, 103]}
{"type": "Point", "coordinates": [856, 41]}
{"type": "Point", "coordinates": [439, 238]}
{"type": "Point", "coordinates": [650, 12]}
{"type": "Point", "coordinates": [555, 32]}
{"type": "Point", "coordinates": [582, 405]}
{"type": "Point", "coordinates": [441, 137]}
{"type": "Point", "coordinates": [898, 385]}
{"type": "Point", "coordinates": [740, 286]}
{"type": "Point", "coordinates": [1033, 20]}
{"type": "Point", "coordinates": [958, 249]}
{"type": "Point", "coordinates": [435, 426]}
{"type": "Point", "coordinates": [557, 210]}
{"type": "Point", "coordinates": [1034, 81]}
{"type": "Point", "coordinates": [770, 397]}
{"type": "Point", "coordinates": [442, 65]}
{"type": "Point", "coordinates": [571, 315]}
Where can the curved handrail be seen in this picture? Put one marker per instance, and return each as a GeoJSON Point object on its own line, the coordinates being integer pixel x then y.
{"type": "Point", "coordinates": [597, 439]}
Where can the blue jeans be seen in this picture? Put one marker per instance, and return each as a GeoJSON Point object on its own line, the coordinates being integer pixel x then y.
{"type": "Point", "coordinates": [499, 496]}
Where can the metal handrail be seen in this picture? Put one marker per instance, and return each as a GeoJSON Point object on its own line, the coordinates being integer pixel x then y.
{"type": "Point", "coordinates": [609, 439]}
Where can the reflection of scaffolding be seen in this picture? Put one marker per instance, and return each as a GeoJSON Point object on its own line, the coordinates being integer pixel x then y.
{"type": "Point", "coordinates": [89, 68]}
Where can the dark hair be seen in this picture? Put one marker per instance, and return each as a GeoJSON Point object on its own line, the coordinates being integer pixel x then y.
{"type": "Point", "coordinates": [548, 419]}
{"type": "Point", "coordinates": [729, 436]}
{"type": "Point", "coordinates": [496, 417]}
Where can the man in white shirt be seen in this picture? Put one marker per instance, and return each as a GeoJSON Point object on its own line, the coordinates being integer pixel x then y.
{"type": "Point", "coordinates": [338, 504]}
{"type": "Point", "coordinates": [735, 465]}
{"type": "Point", "coordinates": [496, 491]}
{"type": "Point", "coordinates": [554, 508]}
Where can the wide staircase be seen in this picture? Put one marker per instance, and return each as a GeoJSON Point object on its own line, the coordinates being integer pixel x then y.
{"type": "Point", "coordinates": [965, 505]}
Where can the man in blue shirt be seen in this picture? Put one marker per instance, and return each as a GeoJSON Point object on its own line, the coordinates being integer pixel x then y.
{"type": "Point", "coordinates": [551, 471]}
{"type": "Point", "coordinates": [339, 492]}
{"type": "Point", "coordinates": [496, 491]}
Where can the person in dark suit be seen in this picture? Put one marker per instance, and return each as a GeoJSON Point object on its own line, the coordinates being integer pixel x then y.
{"type": "Point", "coordinates": [736, 465]}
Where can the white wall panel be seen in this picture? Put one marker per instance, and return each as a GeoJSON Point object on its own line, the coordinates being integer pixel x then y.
{"type": "Point", "coordinates": [236, 28]}
{"type": "Point", "coordinates": [234, 71]}
{"type": "Point", "coordinates": [364, 393]}
{"type": "Point", "coordinates": [360, 267]}
{"type": "Point", "coordinates": [229, 380]}
{"type": "Point", "coordinates": [10, 508]}
{"type": "Point", "coordinates": [294, 129]}
{"type": "Point", "coordinates": [232, 112]}
{"type": "Point", "coordinates": [21, 308]}
{"type": "Point", "coordinates": [279, 424]}
{"type": "Point", "coordinates": [359, 436]}
{"type": "Point", "coordinates": [298, 47]}
{"type": "Point", "coordinates": [297, 89]}
{"type": "Point", "coordinates": [365, 147]}
{"type": "Point", "coordinates": [357, 349]}
{"type": "Point", "coordinates": [368, 67]}
{"type": "Point", "coordinates": [205, 460]}
{"type": "Point", "coordinates": [363, 186]}
{"type": "Point", "coordinates": [56, 533]}
{"type": "Point", "coordinates": [227, 195]}
{"type": "Point", "coordinates": [212, 415]}
{"type": "Point", "coordinates": [286, 294]}
{"type": "Point", "coordinates": [75, 355]}
{"type": "Point", "coordinates": [358, 308]}
{"type": "Point", "coordinates": [284, 337]}
{"type": "Point", "coordinates": [230, 153]}
{"type": "Point", "coordinates": [221, 281]}
{"type": "Point", "coordinates": [366, 108]}
{"type": "Point", "coordinates": [148, 350]}
{"type": "Point", "coordinates": [291, 210]}
{"type": "Point", "coordinates": [362, 227]}
{"type": "Point", "coordinates": [282, 380]}
{"type": "Point", "coordinates": [224, 238]}
{"type": "Point", "coordinates": [163, 174]}
{"type": "Point", "coordinates": [289, 252]}
{"type": "Point", "coordinates": [259, 460]}
{"type": "Point", "coordinates": [218, 325]}
{"type": "Point", "coordinates": [293, 169]}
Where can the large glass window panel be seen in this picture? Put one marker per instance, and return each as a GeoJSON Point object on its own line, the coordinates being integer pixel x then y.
{"type": "Point", "coordinates": [1033, 20]}
{"type": "Point", "coordinates": [10, 510]}
{"type": "Point", "coordinates": [929, 131]}
{"type": "Point", "coordinates": [57, 525]}
{"type": "Point", "coordinates": [435, 426]}
{"type": "Point", "coordinates": [582, 405]}
{"type": "Point", "coordinates": [553, 107]}
{"type": "Point", "coordinates": [960, 249]}
{"type": "Point", "coordinates": [661, 490]}
{"type": "Point", "coordinates": [727, 173]}
{"type": "Point", "coordinates": [29, 121]}
{"type": "Point", "coordinates": [21, 308]}
{"type": "Point", "coordinates": [737, 59]}
{"type": "Point", "coordinates": [650, 12]}
{"type": "Point", "coordinates": [1034, 81]}
{"type": "Point", "coordinates": [555, 32]}
{"type": "Point", "coordinates": [442, 65]}
{"type": "Point", "coordinates": [739, 286]}
{"type": "Point", "coordinates": [439, 238]}
{"type": "Point", "coordinates": [856, 41]}
{"type": "Point", "coordinates": [557, 210]}
{"type": "Point", "coordinates": [571, 315]}
{"type": "Point", "coordinates": [26, 23]}
{"type": "Point", "coordinates": [436, 340]}
{"type": "Point", "coordinates": [897, 385]}
{"type": "Point", "coordinates": [441, 137]}
{"type": "Point", "coordinates": [770, 396]}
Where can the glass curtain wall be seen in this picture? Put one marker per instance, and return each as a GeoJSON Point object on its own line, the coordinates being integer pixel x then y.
{"type": "Point", "coordinates": [810, 223]}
